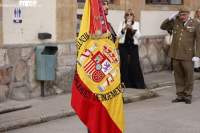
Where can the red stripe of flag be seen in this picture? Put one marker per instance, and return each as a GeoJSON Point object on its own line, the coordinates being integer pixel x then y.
{"type": "Point", "coordinates": [90, 67]}
{"type": "Point", "coordinates": [90, 110]}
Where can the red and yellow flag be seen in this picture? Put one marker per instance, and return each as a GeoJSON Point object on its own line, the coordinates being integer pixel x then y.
{"type": "Point", "coordinates": [96, 91]}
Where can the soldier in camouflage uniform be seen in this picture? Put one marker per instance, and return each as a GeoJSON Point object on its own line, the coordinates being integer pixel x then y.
{"type": "Point", "coordinates": [186, 34]}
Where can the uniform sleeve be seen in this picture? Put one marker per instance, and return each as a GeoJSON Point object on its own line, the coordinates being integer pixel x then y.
{"type": "Point", "coordinates": [167, 25]}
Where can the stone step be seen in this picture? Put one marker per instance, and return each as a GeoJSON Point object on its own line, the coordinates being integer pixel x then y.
{"type": "Point", "coordinates": [12, 108]}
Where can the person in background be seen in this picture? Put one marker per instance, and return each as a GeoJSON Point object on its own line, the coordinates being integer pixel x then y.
{"type": "Point", "coordinates": [197, 15]}
{"type": "Point", "coordinates": [112, 31]}
{"type": "Point", "coordinates": [197, 60]}
{"type": "Point", "coordinates": [186, 35]}
{"type": "Point", "coordinates": [129, 33]}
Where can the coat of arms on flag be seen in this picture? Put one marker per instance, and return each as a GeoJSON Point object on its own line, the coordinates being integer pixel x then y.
{"type": "Point", "coordinates": [96, 90]}
{"type": "Point", "coordinates": [99, 64]}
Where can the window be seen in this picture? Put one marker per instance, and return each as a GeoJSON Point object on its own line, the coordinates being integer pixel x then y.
{"type": "Point", "coordinates": [79, 18]}
{"type": "Point", "coordinates": [81, 1]}
{"type": "Point", "coordinates": [168, 2]}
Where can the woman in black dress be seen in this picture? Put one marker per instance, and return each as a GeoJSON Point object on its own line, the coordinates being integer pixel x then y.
{"type": "Point", "coordinates": [129, 33]}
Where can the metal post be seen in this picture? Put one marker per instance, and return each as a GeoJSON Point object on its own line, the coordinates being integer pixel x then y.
{"type": "Point", "coordinates": [42, 88]}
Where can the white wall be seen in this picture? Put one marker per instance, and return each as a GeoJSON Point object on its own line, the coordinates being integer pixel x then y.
{"type": "Point", "coordinates": [35, 19]}
{"type": "Point", "coordinates": [151, 21]}
{"type": "Point", "coordinates": [114, 17]}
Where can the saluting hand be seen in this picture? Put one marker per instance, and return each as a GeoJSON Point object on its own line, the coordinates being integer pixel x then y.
{"type": "Point", "coordinates": [173, 16]}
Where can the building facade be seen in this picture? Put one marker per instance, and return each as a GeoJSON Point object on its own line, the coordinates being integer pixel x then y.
{"type": "Point", "coordinates": [150, 13]}
{"type": "Point", "coordinates": [153, 50]}
{"type": "Point", "coordinates": [22, 20]}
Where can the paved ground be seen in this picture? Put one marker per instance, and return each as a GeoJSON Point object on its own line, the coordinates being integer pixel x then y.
{"type": "Point", "coordinates": [157, 115]}
{"type": "Point", "coordinates": [50, 108]}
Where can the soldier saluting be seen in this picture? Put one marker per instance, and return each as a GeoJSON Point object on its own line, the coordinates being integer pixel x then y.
{"type": "Point", "coordinates": [186, 34]}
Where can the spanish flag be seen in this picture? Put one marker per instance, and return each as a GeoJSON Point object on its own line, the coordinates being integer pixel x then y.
{"type": "Point", "coordinates": [96, 90]}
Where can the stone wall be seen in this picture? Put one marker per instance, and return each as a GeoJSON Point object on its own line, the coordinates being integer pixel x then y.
{"type": "Point", "coordinates": [18, 70]}
{"type": "Point", "coordinates": [153, 54]}
{"type": "Point", "coordinates": [18, 42]}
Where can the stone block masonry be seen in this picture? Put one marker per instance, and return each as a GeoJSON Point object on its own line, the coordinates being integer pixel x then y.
{"type": "Point", "coordinates": [18, 69]}
{"type": "Point", "coordinates": [18, 72]}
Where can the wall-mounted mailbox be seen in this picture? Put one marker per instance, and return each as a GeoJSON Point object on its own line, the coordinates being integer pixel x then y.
{"type": "Point", "coordinates": [43, 36]}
